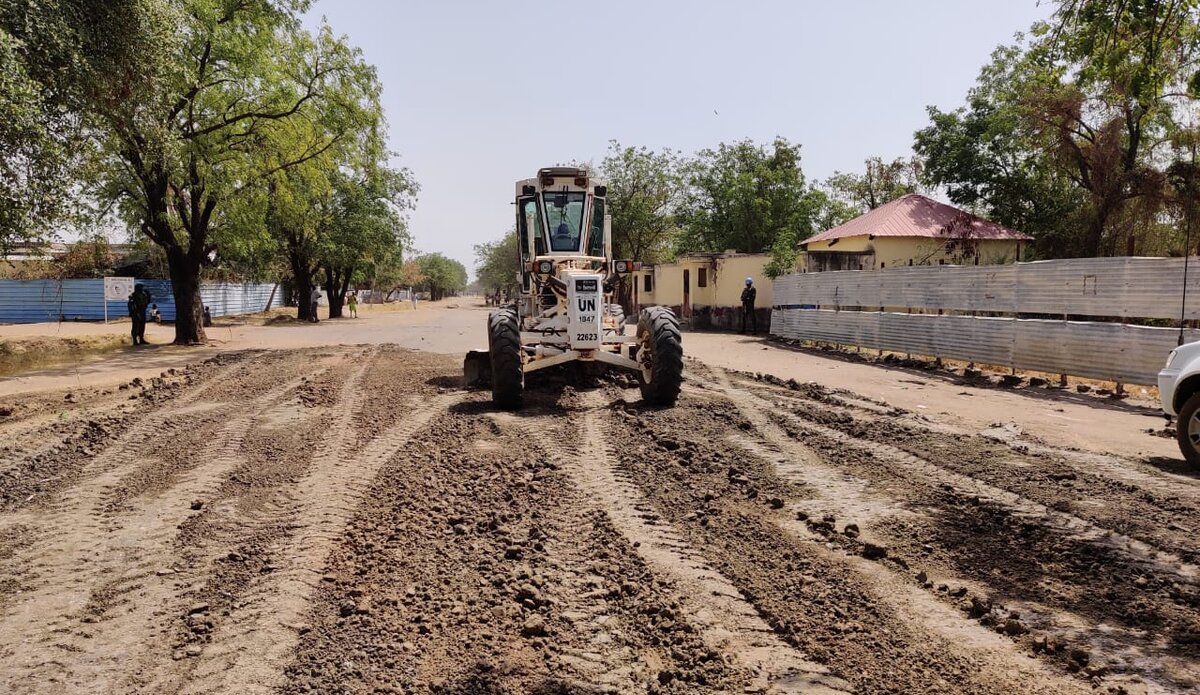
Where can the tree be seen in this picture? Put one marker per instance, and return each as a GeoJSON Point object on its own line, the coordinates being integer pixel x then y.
{"type": "Point", "coordinates": [53, 55]}
{"type": "Point", "coordinates": [743, 197]}
{"type": "Point", "coordinates": [442, 275]}
{"type": "Point", "coordinates": [181, 148]}
{"type": "Point", "coordinates": [1068, 134]}
{"type": "Point", "coordinates": [364, 230]}
{"type": "Point", "coordinates": [644, 191]}
{"type": "Point", "coordinates": [410, 276]}
{"type": "Point", "coordinates": [498, 265]}
{"type": "Point", "coordinates": [880, 182]}
{"type": "Point", "coordinates": [988, 160]}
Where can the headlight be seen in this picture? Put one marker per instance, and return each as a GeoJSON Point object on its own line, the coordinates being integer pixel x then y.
{"type": "Point", "coordinates": [545, 267]}
{"type": "Point", "coordinates": [622, 267]}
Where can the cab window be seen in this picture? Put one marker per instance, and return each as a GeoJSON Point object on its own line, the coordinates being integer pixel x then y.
{"type": "Point", "coordinates": [596, 237]}
{"type": "Point", "coordinates": [527, 218]}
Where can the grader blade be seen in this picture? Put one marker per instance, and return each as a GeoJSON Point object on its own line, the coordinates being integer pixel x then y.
{"type": "Point", "coordinates": [477, 370]}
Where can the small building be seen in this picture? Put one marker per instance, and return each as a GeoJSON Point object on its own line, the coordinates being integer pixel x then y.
{"type": "Point", "coordinates": [911, 230]}
{"type": "Point", "coordinates": [705, 290]}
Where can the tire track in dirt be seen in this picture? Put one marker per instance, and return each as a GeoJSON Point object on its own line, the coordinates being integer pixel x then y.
{"type": "Point", "coordinates": [250, 650]}
{"type": "Point", "coordinates": [1129, 649]}
{"type": "Point", "coordinates": [870, 630]}
{"type": "Point", "coordinates": [224, 546]}
{"type": "Point", "coordinates": [92, 548]}
{"type": "Point", "coordinates": [1132, 478]}
{"type": "Point", "coordinates": [725, 619]}
{"type": "Point", "coordinates": [932, 474]}
{"type": "Point", "coordinates": [480, 568]}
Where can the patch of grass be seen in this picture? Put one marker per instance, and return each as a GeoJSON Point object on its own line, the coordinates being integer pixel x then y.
{"type": "Point", "coordinates": [23, 354]}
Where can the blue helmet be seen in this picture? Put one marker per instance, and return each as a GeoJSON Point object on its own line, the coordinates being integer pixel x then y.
{"type": "Point", "coordinates": [749, 281]}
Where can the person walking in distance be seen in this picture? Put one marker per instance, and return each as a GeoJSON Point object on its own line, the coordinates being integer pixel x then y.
{"type": "Point", "coordinates": [138, 301]}
{"type": "Point", "coordinates": [315, 300]}
{"type": "Point", "coordinates": [749, 294]}
{"type": "Point", "coordinates": [352, 304]}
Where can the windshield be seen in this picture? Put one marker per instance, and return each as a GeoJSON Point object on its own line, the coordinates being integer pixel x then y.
{"type": "Point", "coordinates": [564, 211]}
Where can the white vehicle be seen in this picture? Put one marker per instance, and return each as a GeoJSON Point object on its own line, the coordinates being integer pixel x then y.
{"type": "Point", "coordinates": [567, 310]}
{"type": "Point", "coordinates": [1179, 390]}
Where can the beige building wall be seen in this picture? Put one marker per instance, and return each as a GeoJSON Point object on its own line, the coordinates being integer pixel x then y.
{"type": "Point", "coordinates": [890, 252]}
{"type": "Point", "coordinates": [724, 278]}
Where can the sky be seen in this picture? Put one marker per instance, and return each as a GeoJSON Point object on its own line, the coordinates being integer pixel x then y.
{"type": "Point", "coordinates": [480, 94]}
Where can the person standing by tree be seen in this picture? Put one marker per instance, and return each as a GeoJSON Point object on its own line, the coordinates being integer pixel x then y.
{"type": "Point", "coordinates": [314, 301]}
{"type": "Point", "coordinates": [748, 296]}
{"type": "Point", "coordinates": [138, 301]}
{"type": "Point", "coordinates": [352, 304]}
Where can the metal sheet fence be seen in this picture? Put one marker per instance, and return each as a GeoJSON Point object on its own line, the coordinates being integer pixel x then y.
{"type": "Point", "coordinates": [1145, 288]}
{"type": "Point", "coordinates": [1109, 351]}
{"type": "Point", "coordinates": [34, 301]}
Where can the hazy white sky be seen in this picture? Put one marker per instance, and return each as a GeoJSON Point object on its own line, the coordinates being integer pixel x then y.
{"type": "Point", "coordinates": [480, 94]}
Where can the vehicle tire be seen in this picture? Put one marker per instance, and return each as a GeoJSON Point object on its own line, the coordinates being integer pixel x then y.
{"type": "Point", "coordinates": [504, 347]}
{"type": "Point", "coordinates": [1187, 430]}
{"type": "Point", "coordinates": [660, 350]}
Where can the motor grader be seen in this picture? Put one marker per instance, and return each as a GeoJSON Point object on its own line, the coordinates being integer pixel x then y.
{"type": "Point", "coordinates": [567, 311]}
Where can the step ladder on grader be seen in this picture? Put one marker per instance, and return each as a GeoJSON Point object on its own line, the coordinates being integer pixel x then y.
{"type": "Point", "coordinates": [567, 310]}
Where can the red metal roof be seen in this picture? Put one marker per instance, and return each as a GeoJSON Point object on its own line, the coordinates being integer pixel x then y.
{"type": "Point", "coordinates": [915, 215]}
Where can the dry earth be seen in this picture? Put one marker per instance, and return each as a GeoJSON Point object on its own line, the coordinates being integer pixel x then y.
{"type": "Point", "coordinates": [329, 520]}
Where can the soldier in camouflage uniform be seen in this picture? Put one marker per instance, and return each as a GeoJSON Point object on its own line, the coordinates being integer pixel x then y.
{"type": "Point", "coordinates": [138, 301]}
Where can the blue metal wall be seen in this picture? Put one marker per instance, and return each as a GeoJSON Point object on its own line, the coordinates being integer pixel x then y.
{"type": "Point", "coordinates": [34, 301]}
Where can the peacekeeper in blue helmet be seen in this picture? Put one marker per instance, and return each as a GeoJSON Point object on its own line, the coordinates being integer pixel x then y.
{"type": "Point", "coordinates": [749, 294]}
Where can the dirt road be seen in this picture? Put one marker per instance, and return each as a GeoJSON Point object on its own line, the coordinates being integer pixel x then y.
{"type": "Point", "coordinates": [348, 519]}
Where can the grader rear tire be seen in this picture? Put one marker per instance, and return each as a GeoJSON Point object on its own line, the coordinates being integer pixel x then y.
{"type": "Point", "coordinates": [660, 350]}
{"type": "Point", "coordinates": [504, 348]}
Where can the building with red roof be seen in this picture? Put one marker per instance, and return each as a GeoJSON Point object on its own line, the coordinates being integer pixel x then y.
{"type": "Point", "coordinates": [911, 230]}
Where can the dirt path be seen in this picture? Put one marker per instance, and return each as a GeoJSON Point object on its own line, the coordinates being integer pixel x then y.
{"type": "Point", "coordinates": [347, 519]}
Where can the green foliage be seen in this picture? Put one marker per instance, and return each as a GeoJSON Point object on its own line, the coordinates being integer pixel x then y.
{"type": "Point", "coordinates": [988, 158]}
{"type": "Point", "coordinates": [644, 191]}
{"type": "Point", "coordinates": [1068, 135]}
{"type": "Point", "coordinates": [442, 275]}
{"type": "Point", "coordinates": [881, 182]}
{"type": "Point", "coordinates": [743, 196]}
{"type": "Point", "coordinates": [497, 264]}
{"type": "Point", "coordinates": [53, 54]}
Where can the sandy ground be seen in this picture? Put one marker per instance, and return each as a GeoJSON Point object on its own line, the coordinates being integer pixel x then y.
{"type": "Point", "coordinates": [323, 509]}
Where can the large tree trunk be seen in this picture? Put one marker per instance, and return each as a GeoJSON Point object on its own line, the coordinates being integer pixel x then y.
{"type": "Point", "coordinates": [303, 283]}
{"type": "Point", "coordinates": [185, 285]}
{"type": "Point", "coordinates": [335, 289]}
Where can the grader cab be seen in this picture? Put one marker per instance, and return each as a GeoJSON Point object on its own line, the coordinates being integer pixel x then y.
{"type": "Point", "coordinates": [567, 309]}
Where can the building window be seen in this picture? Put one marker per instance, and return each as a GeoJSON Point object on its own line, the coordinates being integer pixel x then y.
{"type": "Point", "coordinates": [647, 283]}
{"type": "Point", "coordinates": [702, 278]}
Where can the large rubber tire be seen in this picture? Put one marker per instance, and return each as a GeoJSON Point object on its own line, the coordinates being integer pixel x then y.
{"type": "Point", "coordinates": [658, 333]}
{"type": "Point", "coordinates": [1187, 430]}
{"type": "Point", "coordinates": [504, 348]}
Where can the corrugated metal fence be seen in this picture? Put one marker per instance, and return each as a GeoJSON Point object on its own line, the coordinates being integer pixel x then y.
{"type": "Point", "coordinates": [33, 301]}
{"type": "Point", "coordinates": [872, 309]}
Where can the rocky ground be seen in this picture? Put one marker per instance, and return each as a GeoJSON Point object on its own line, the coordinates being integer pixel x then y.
{"type": "Point", "coordinates": [349, 520]}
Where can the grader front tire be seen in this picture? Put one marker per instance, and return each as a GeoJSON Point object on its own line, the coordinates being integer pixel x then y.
{"type": "Point", "coordinates": [504, 347]}
{"type": "Point", "coordinates": [660, 350]}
